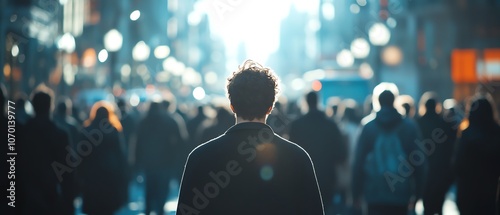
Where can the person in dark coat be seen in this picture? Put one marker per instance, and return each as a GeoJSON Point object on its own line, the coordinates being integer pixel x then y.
{"type": "Point", "coordinates": [129, 120]}
{"type": "Point", "coordinates": [22, 115]}
{"type": "Point", "coordinates": [64, 120]}
{"type": "Point", "coordinates": [396, 192]}
{"type": "Point", "coordinates": [439, 150]}
{"type": "Point", "coordinates": [159, 144]}
{"type": "Point", "coordinates": [408, 104]}
{"type": "Point", "coordinates": [104, 168]}
{"type": "Point", "coordinates": [43, 144]}
{"type": "Point", "coordinates": [322, 139]}
{"type": "Point", "coordinates": [194, 123]}
{"type": "Point", "coordinates": [278, 120]}
{"type": "Point", "coordinates": [216, 127]}
{"type": "Point", "coordinates": [478, 161]}
{"type": "Point", "coordinates": [249, 169]}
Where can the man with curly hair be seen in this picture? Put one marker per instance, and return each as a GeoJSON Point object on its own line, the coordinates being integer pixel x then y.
{"type": "Point", "coordinates": [249, 169]}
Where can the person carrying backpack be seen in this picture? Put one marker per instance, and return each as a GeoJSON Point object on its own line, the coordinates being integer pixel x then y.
{"type": "Point", "coordinates": [388, 172]}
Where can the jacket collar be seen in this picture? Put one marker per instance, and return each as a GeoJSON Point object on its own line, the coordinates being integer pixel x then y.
{"type": "Point", "coordinates": [248, 126]}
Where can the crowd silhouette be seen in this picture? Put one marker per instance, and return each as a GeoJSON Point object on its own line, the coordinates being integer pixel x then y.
{"type": "Point", "coordinates": [380, 157]}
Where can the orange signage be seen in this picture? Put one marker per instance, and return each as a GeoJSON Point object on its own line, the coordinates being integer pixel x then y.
{"type": "Point", "coordinates": [463, 66]}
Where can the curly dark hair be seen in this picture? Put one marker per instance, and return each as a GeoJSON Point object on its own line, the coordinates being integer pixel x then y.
{"type": "Point", "coordinates": [252, 90]}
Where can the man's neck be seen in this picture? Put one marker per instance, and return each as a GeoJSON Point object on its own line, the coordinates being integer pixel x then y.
{"type": "Point", "coordinates": [241, 120]}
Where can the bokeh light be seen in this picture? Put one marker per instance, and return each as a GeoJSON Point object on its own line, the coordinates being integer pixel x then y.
{"type": "Point", "coordinates": [379, 34]}
{"type": "Point", "coordinates": [135, 15]}
{"type": "Point", "coordinates": [141, 51]}
{"type": "Point", "coordinates": [134, 100]}
{"type": "Point", "coordinates": [328, 10]}
{"type": "Point", "coordinates": [360, 48]}
{"type": "Point", "coordinates": [102, 56]}
{"type": "Point", "coordinates": [345, 58]}
{"type": "Point", "coordinates": [316, 85]}
{"type": "Point", "coordinates": [161, 52]}
{"type": "Point", "coordinates": [199, 93]}
{"type": "Point", "coordinates": [266, 172]}
{"type": "Point", "coordinates": [15, 50]}
{"type": "Point", "coordinates": [113, 40]}
{"type": "Point", "coordinates": [392, 56]}
{"type": "Point", "coordinates": [211, 77]}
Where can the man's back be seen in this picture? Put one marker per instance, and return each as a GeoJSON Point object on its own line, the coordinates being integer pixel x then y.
{"type": "Point", "coordinates": [249, 170]}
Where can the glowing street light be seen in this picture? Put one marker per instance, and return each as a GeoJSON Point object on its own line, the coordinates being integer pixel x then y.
{"type": "Point", "coordinates": [15, 50]}
{"type": "Point", "coordinates": [66, 43]}
{"type": "Point", "coordinates": [328, 10]}
{"type": "Point", "coordinates": [199, 93]}
{"type": "Point", "coordinates": [135, 15]}
{"type": "Point", "coordinates": [141, 51]}
{"type": "Point", "coordinates": [360, 48]}
{"type": "Point", "coordinates": [113, 40]}
{"type": "Point", "coordinates": [345, 58]}
{"type": "Point", "coordinates": [161, 52]}
{"type": "Point", "coordinates": [379, 34]}
{"type": "Point", "coordinates": [102, 56]}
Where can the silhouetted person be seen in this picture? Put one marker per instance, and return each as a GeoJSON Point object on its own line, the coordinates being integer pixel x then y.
{"type": "Point", "coordinates": [64, 120]}
{"type": "Point", "coordinates": [104, 169]}
{"type": "Point", "coordinates": [478, 161]}
{"type": "Point", "coordinates": [223, 120]}
{"type": "Point", "coordinates": [249, 169]}
{"type": "Point", "coordinates": [452, 113]}
{"type": "Point", "coordinates": [322, 139]}
{"type": "Point", "coordinates": [332, 107]}
{"type": "Point", "coordinates": [408, 104]}
{"type": "Point", "coordinates": [194, 123]}
{"type": "Point", "coordinates": [43, 144]}
{"type": "Point", "coordinates": [176, 114]}
{"type": "Point", "coordinates": [439, 137]}
{"type": "Point", "coordinates": [278, 120]}
{"type": "Point", "coordinates": [77, 114]}
{"type": "Point", "coordinates": [387, 174]}
{"type": "Point", "coordinates": [350, 127]}
{"type": "Point", "coordinates": [129, 120]}
{"type": "Point", "coordinates": [22, 116]}
{"type": "Point", "coordinates": [159, 144]}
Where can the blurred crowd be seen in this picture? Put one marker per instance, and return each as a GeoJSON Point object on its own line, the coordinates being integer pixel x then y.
{"type": "Point", "coordinates": [432, 148]}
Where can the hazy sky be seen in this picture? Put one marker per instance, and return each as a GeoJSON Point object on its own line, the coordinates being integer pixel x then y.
{"type": "Point", "coordinates": [256, 23]}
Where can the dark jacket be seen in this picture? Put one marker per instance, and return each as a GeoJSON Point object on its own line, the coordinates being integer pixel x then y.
{"type": "Point", "coordinates": [104, 171]}
{"type": "Point", "coordinates": [322, 139]}
{"type": "Point", "coordinates": [478, 169]}
{"type": "Point", "coordinates": [42, 144]}
{"type": "Point", "coordinates": [408, 132]}
{"type": "Point", "coordinates": [160, 145]}
{"type": "Point", "coordinates": [440, 137]}
{"type": "Point", "coordinates": [249, 170]}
